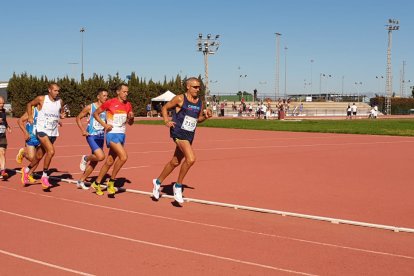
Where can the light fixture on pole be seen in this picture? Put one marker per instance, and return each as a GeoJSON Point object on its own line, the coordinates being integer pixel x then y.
{"type": "Point", "coordinates": [311, 79]}
{"type": "Point", "coordinates": [356, 86]}
{"type": "Point", "coordinates": [393, 25]}
{"type": "Point", "coordinates": [320, 84]}
{"type": "Point", "coordinates": [379, 84]}
{"type": "Point", "coordinates": [242, 91]}
{"type": "Point", "coordinates": [82, 30]}
{"type": "Point", "coordinates": [277, 65]}
{"type": "Point", "coordinates": [208, 46]}
{"type": "Point", "coordinates": [286, 48]}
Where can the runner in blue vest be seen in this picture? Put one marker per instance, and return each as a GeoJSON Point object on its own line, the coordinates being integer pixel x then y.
{"type": "Point", "coordinates": [187, 112]}
{"type": "Point", "coordinates": [32, 143]}
{"type": "Point", "coordinates": [95, 135]}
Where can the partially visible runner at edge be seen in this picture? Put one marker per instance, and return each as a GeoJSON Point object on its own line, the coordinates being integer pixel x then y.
{"type": "Point", "coordinates": [187, 110]}
{"type": "Point", "coordinates": [48, 120]}
{"type": "Point", "coordinates": [118, 113]}
{"type": "Point", "coordinates": [95, 136]}
{"type": "Point", "coordinates": [4, 128]}
{"type": "Point", "coordinates": [31, 142]}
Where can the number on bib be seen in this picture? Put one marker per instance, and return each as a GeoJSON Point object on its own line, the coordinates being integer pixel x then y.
{"type": "Point", "coordinates": [189, 123]}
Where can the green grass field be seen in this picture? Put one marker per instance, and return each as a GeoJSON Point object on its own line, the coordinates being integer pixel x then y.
{"type": "Point", "coordinates": [396, 127]}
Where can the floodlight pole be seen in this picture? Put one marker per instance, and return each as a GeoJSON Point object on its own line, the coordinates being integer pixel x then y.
{"type": "Point", "coordinates": [208, 46]}
{"type": "Point", "coordinates": [277, 65]}
{"type": "Point", "coordinates": [393, 25]}
{"type": "Point", "coordinates": [82, 30]}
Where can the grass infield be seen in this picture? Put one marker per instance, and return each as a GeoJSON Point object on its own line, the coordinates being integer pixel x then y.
{"type": "Point", "coordinates": [395, 127]}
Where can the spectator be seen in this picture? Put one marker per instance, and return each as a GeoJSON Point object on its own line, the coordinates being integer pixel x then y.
{"type": "Point", "coordinates": [149, 110]}
{"type": "Point", "coordinates": [354, 110]}
{"type": "Point", "coordinates": [222, 109]}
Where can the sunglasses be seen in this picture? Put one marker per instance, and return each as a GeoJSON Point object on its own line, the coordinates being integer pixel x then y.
{"type": "Point", "coordinates": [196, 87]}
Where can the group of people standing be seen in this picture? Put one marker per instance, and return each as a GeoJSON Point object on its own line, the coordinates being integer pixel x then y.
{"type": "Point", "coordinates": [106, 122]}
{"type": "Point", "coordinates": [351, 111]}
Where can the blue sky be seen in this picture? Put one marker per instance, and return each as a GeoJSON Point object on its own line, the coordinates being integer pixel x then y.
{"type": "Point", "coordinates": [345, 39]}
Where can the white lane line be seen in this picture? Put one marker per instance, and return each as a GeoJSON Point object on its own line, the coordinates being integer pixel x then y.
{"type": "Point", "coordinates": [156, 244]}
{"type": "Point", "coordinates": [220, 227]}
{"type": "Point", "coordinates": [44, 263]}
{"type": "Point", "coordinates": [247, 147]}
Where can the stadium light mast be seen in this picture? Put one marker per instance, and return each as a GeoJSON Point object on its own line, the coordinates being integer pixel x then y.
{"type": "Point", "coordinates": [208, 46]}
{"type": "Point", "coordinates": [277, 65]}
{"type": "Point", "coordinates": [393, 25]}
{"type": "Point", "coordinates": [82, 30]}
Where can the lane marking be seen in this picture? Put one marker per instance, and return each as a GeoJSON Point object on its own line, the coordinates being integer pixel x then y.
{"type": "Point", "coordinates": [44, 263]}
{"type": "Point", "coordinates": [163, 246]}
{"type": "Point", "coordinates": [219, 226]}
{"type": "Point", "coordinates": [242, 147]}
{"type": "Point", "coordinates": [264, 210]}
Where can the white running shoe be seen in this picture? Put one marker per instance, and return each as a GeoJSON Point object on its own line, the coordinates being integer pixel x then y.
{"type": "Point", "coordinates": [83, 163]}
{"type": "Point", "coordinates": [178, 194]}
{"type": "Point", "coordinates": [81, 185]}
{"type": "Point", "coordinates": [155, 189]}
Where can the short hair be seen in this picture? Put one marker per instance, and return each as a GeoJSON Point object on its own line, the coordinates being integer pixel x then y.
{"type": "Point", "coordinates": [191, 79]}
{"type": "Point", "coordinates": [51, 84]}
{"type": "Point", "coordinates": [100, 90]}
{"type": "Point", "coordinates": [119, 86]}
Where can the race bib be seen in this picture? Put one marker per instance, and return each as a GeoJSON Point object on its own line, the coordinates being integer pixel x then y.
{"type": "Point", "coordinates": [2, 129]}
{"type": "Point", "coordinates": [97, 126]}
{"type": "Point", "coordinates": [51, 123]}
{"type": "Point", "coordinates": [189, 123]}
{"type": "Point", "coordinates": [119, 120]}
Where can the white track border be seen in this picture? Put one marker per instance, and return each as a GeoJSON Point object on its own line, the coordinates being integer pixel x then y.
{"type": "Point", "coordinates": [263, 210]}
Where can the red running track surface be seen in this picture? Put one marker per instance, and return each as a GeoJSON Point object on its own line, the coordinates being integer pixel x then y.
{"type": "Point", "coordinates": [356, 177]}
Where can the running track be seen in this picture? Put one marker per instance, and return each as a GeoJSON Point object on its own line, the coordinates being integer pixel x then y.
{"type": "Point", "coordinates": [353, 177]}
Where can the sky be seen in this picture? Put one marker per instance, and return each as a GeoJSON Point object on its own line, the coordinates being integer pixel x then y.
{"type": "Point", "coordinates": [346, 40]}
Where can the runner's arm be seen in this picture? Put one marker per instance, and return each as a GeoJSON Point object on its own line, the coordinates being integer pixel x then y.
{"type": "Point", "coordinates": [85, 111]}
{"type": "Point", "coordinates": [35, 102]}
{"type": "Point", "coordinates": [98, 111]}
{"type": "Point", "coordinates": [204, 115]}
{"type": "Point", "coordinates": [177, 101]}
{"type": "Point", "coordinates": [21, 122]}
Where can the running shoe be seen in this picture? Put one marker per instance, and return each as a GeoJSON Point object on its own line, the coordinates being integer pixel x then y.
{"type": "Point", "coordinates": [31, 179]}
{"type": "Point", "coordinates": [178, 194]}
{"type": "Point", "coordinates": [110, 187]}
{"type": "Point", "coordinates": [81, 185]}
{"type": "Point", "coordinates": [83, 163]}
{"type": "Point", "coordinates": [97, 188]}
{"type": "Point", "coordinates": [155, 189]}
{"type": "Point", "coordinates": [45, 182]}
{"type": "Point", "coordinates": [19, 156]}
{"type": "Point", "coordinates": [4, 175]}
{"type": "Point", "coordinates": [25, 176]}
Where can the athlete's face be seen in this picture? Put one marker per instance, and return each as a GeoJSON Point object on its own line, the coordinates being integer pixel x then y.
{"type": "Point", "coordinates": [193, 87]}
{"type": "Point", "coordinates": [54, 91]}
{"type": "Point", "coordinates": [123, 93]}
{"type": "Point", "coordinates": [102, 97]}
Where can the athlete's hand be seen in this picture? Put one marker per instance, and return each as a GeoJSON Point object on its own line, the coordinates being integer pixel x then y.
{"type": "Point", "coordinates": [107, 127]}
{"type": "Point", "coordinates": [60, 124]}
{"type": "Point", "coordinates": [130, 117]}
{"type": "Point", "coordinates": [85, 133]}
{"type": "Point", "coordinates": [30, 120]}
{"type": "Point", "coordinates": [170, 124]}
{"type": "Point", "coordinates": [26, 136]}
{"type": "Point", "coordinates": [208, 113]}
